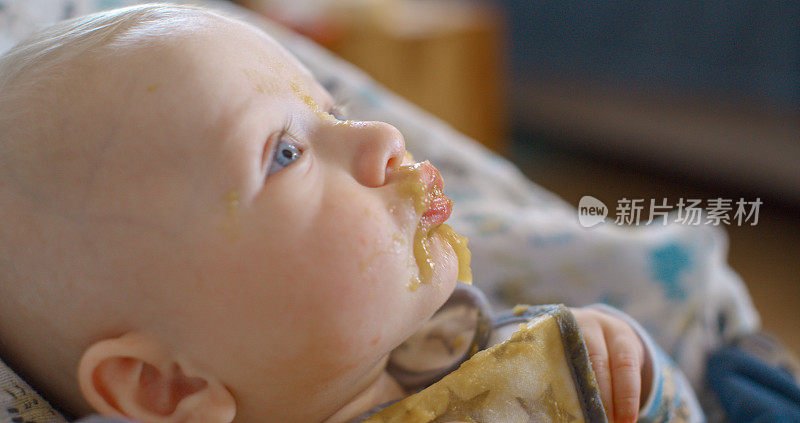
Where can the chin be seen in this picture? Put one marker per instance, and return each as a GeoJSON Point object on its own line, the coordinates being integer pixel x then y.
{"type": "Point", "coordinates": [441, 286]}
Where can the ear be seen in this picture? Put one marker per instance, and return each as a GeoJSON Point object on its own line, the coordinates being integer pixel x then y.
{"type": "Point", "coordinates": [135, 377]}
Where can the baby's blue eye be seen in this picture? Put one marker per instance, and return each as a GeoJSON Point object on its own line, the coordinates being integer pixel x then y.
{"type": "Point", "coordinates": [285, 154]}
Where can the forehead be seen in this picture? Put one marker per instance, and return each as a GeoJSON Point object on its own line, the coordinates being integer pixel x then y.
{"type": "Point", "coordinates": [204, 79]}
{"type": "Point", "coordinates": [186, 94]}
{"type": "Point", "coordinates": [216, 52]}
{"type": "Point", "coordinates": [249, 52]}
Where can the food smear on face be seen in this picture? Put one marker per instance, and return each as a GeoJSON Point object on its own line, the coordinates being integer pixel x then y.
{"type": "Point", "coordinates": [424, 199]}
{"type": "Point", "coordinates": [413, 186]}
{"type": "Point", "coordinates": [262, 82]}
{"type": "Point", "coordinates": [312, 104]}
{"type": "Point", "coordinates": [459, 245]}
{"type": "Point", "coordinates": [425, 264]}
{"type": "Point", "coordinates": [303, 94]}
{"type": "Point", "coordinates": [232, 227]}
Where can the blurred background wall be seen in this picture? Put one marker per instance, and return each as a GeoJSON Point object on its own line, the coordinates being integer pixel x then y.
{"type": "Point", "coordinates": [710, 90]}
{"type": "Point", "coordinates": [739, 50]}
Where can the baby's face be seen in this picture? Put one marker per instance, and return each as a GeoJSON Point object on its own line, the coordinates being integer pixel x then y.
{"type": "Point", "coordinates": [287, 233]}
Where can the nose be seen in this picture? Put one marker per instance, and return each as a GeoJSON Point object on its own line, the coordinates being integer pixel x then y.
{"type": "Point", "coordinates": [368, 149]}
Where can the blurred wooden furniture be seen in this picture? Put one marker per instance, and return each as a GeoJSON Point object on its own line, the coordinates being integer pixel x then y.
{"type": "Point", "coordinates": [443, 55]}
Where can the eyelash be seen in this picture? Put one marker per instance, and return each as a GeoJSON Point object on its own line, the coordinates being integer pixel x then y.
{"type": "Point", "coordinates": [339, 108]}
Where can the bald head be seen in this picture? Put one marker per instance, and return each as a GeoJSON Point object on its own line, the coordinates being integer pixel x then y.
{"type": "Point", "coordinates": [79, 163]}
{"type": "Point", "coordinates": [66, 90]}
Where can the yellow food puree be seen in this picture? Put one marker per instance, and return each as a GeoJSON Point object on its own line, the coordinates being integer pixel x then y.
{"type": "Point", "coordinates": [413, 186]}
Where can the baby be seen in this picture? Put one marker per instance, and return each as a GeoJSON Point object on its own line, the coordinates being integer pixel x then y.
{"type": "Point", "coordinates": [198, 237]}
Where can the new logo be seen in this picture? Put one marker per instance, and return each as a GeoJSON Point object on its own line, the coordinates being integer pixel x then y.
{"type": "Point", "coordinates": [591, 211]}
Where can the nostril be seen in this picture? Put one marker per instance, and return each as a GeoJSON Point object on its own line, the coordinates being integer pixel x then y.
{"type": "Point", "coordinates": [393, 163]}
{"type": "Point", "coordinates": [393, 146]}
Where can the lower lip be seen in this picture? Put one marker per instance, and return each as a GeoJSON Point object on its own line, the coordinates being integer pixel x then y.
{"type": "Point", "coordinates": [438, 211]}
{"type": "Point", "coordinates": [439, 206]}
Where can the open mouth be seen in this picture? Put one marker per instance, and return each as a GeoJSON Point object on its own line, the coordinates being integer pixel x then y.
{"type": "Point", "coordinates": [424, 185]}
{"type": "Point", "coordinates": [438, 212]}
{"type": "Point", "coordinates": [439, 206]}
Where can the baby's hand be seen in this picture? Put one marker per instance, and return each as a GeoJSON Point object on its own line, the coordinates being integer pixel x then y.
{"type": "Point", "coordinates": [618, 360]}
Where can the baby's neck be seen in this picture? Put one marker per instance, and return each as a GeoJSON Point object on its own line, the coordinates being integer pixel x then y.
{"type": "Point", "coordinates": [382, 390]}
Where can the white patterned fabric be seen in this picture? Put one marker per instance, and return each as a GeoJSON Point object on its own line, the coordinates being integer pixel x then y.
{"type": "Point", "coordinates": [19, 403]}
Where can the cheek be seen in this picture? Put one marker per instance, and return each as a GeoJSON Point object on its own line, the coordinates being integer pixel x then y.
{"type": "Point", "coordinates": [334, 277]}
{"type": "Point", "coordinates": [364, 233]}
{"type": "Point", "coordinates": [360, 265]}
{"type": "Point", "coordinates": [360, 258]}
